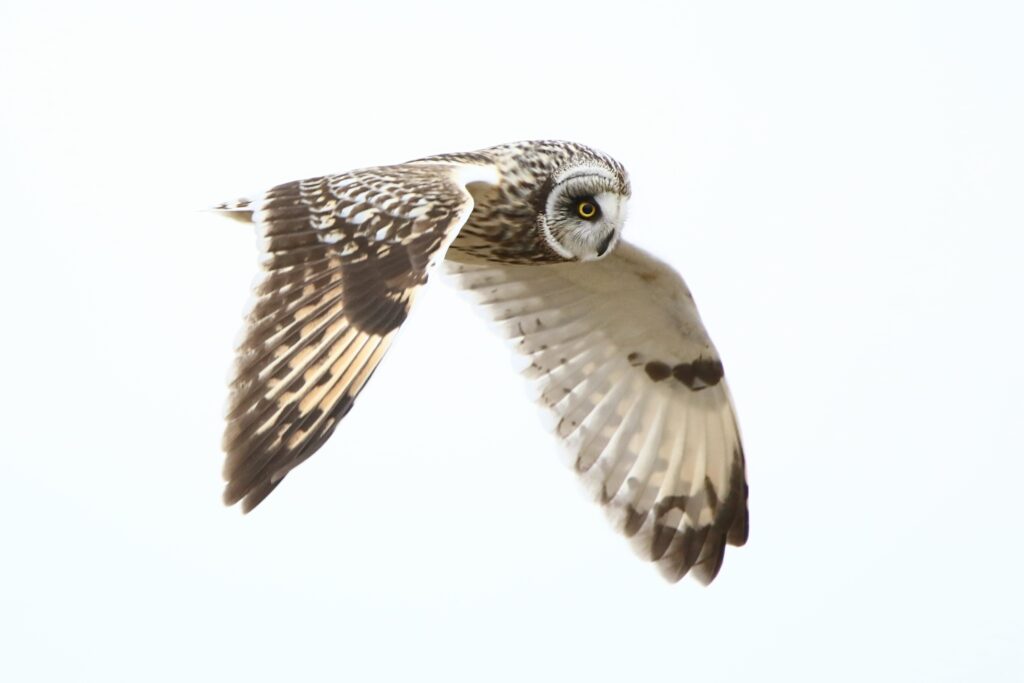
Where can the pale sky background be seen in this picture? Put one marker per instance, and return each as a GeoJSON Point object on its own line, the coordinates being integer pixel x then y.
{"type": "Point", "coordinates": [840, 184]}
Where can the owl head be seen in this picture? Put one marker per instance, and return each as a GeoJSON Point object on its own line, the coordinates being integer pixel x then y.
{"type": "Point", "coordinates": [585, 208]}
{"type": "Point", "coordinates": [550, 201]}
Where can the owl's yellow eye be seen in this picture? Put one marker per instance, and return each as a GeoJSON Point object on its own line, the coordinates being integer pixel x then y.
{"type": "Point", "coordinates": [586, 209]}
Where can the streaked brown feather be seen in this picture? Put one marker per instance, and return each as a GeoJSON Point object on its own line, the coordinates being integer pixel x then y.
{"type": "Point", "coordinates": [344, 258]}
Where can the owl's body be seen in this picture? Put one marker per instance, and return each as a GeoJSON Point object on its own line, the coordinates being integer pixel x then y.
{"type": "Point", "coordinates": [532, 231]}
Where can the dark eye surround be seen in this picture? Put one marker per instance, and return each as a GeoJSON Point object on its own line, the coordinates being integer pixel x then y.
{"type": "Point", "coordinates": [588, 209]}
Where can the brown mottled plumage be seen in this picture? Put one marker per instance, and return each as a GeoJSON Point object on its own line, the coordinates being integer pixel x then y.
{"type": "Point", "coordinates": [531, 230]}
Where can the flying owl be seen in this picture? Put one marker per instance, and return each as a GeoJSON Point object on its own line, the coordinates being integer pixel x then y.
{"type": "Point", "coordinates": [532, 230]}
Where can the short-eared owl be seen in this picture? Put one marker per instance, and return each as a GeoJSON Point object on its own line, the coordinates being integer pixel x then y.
{"type": "Point", "coordinates": [532, 230]}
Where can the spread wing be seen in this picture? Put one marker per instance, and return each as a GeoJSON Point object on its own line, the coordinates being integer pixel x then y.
{"type": "Point", "coordinates": [344, 256]}
{"type": "Point", "coordinates": [621, 359]}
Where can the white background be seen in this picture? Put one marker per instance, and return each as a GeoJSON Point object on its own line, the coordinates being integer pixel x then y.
{"type": "Point", "coordinates": [840, 183]}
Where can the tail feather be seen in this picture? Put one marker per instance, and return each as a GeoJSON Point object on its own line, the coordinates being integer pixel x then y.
{"type": "Point", "coordinates": [239, 209]}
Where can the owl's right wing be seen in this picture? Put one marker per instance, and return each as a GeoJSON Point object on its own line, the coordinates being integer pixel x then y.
{"type": "Point", "coordinates": [620, 357]}
{"type": "Point", "coordinates": [343, 258]}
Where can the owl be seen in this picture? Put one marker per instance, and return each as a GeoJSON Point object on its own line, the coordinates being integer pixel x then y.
{"type": "Point", "coordinates": [610, 335]}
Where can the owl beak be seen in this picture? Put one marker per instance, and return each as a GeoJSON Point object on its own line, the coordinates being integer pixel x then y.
{"type": "Point", "coordinates": [605, 243]}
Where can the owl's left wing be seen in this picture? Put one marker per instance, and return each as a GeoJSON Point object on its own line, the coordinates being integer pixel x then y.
{"type": "Point", "coordinates": [621, 359]}
{"type": "Point", "coordinates": [344, 256]}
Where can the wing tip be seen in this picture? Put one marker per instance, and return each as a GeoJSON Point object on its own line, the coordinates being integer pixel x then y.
{"type": "Point", "coordinates": [249, 496]}
{"type": "Point", "coordinates": [707, 568]}
{"type": "Point", "coordinates": [678, 549]}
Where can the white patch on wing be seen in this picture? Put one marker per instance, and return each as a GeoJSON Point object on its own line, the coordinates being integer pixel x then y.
{"type": "Point", "coordinates": [477, 173]}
